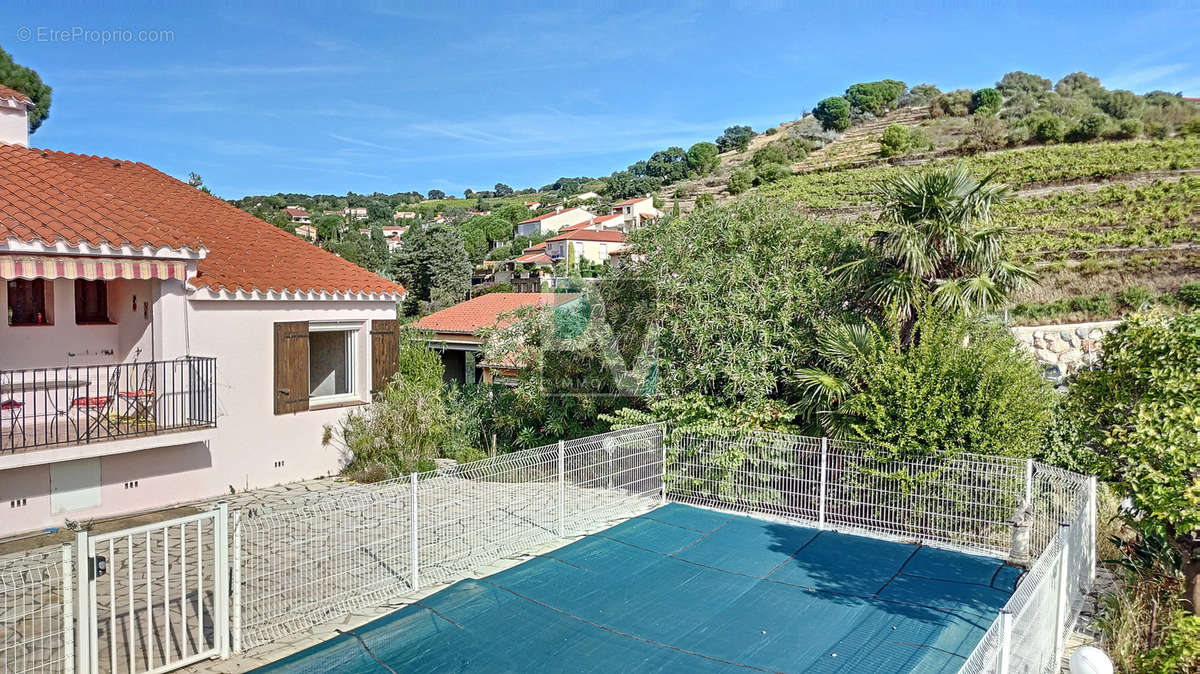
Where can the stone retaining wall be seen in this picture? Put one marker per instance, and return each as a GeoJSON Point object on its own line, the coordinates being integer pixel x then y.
{"type": "Point", "coordinates": [1064, 349]}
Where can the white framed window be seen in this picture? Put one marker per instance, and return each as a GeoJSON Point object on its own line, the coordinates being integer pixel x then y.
{"type": "Point", "coordinates": [332, 361]}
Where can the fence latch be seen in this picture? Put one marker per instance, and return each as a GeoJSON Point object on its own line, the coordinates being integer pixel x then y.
{"type": "Point", "coordinates": [97, 567]}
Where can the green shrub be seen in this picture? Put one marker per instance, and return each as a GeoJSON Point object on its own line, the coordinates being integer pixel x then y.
{"type": "Point", "coordinates": [1190, 294]}
{"type": "Point", "coordinates": [1048, 129]}
{"type": "Point", "coordinates": [1139, 407]}
{"type": "Point", "coordinates": [898, 140]}
{"type": "Point", "coordinates": [740, 180]}
{"type": "Point", "coordinates": [1190, 128]}
{"type": "Point", "coordinates": [1121, 104]}
{"type": "Point", "coordinates": [735, 138]}
{"type": "Point", "coordinates": [986, 133]}
{"type": "Point", "coordinates": [1179, 650]}
{"type": "Point", "coordinates": [833, 113]}
{"type": "Point", "coordinates": [705, 201]}
{"type": "Point", "coordinates": [1090, 127]}
{"type": "Point", "coordinates": [769, 173]}
{"type": "Point", "coordinates": [1157, 130]}
{"type": "Point", "coordinates": [875, 97]}
{"type": "Point", "coordinates": [966, 386]}
{"type": "Point", "coordinates": [771, 131]}
{"type": "Point", "coordinates": [1128, 128]}
{"type": "Point", "coordinates": [923, 94]}
{"type": "Point", "coordinates": [955, 103]}
{"type": "Point", "coordinates": [986, 102]}
{"type": "Point", "coordinates": [1135, 297]}
{"type": "Point", "coordinates": [769, 154]}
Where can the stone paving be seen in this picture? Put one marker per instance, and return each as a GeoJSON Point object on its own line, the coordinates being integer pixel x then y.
{"type": "Point", "coordinates": [314, 553]}
{"type": "Point", "coordinates": [473, 528]}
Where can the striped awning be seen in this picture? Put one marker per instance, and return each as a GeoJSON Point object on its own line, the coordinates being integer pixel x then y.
{"type": "Point", "coordinates": [90, 268]}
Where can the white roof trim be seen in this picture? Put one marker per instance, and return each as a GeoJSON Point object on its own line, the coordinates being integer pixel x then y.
{"type": "Point", "coordinates": [206, 294]}
{"type": "Point", "coordinates": [14, 245]}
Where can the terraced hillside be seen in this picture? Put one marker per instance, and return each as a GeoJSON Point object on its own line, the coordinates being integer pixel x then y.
{"type": "Point", "coordinates": [1096, 220]}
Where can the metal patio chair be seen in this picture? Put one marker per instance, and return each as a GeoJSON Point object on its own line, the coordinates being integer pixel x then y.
{"type": "Point", "coordinates": [139, 404]}
{"type": "Point", "coordinates": [95, 410]}
{"type": "Point", "coordinates": [16, 417]}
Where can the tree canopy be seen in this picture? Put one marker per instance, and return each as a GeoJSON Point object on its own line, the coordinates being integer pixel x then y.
{"type": "Point", "coordinates": [28, 82]}
{"type": "Point", "coordinates": [434, 268]}
{"type": "Point", "coordinates": [735, 138]}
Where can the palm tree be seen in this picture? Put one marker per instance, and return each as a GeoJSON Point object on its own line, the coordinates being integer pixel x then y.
{"type": "Point", "coordinates": [938, 245]}
{"type": "Point", "coordinates": [844, 352]}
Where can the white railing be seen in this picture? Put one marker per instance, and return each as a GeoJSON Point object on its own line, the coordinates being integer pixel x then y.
{"type": "Point", "coordinates": [967, 503]}
{"type": "Point", "coordinates": [36, 604]}
{"type": "Point", "coordinates": [360, 546]}
{"type": "Point", "coordinates": [307, 561]}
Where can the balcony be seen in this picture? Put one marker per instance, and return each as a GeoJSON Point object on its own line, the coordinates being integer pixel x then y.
{"type": "Point", "coordinates": [47, 408]}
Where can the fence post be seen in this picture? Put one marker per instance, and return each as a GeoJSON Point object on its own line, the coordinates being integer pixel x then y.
{"type": "Point", "coordinates": [236, 580]}
{"type": "Point", "coordinates": [1005, 642]}
{"type": "Point", "coordinates": [662, 444]}
{"type": "Point", "coordinates": [1092, 515]}
{"type": "Point", "coordinates": [562, 489]}
{"type": "Point", "coordinates": [1028, 481]}
{"type": "Point", "coordinates": [1061, 607]}
{"type": "Point", "coordinates": [414, 560]}
{"type": "Point", "coordinates": [83, 631]}
{"type": "Point", "coordinates": [68, 609]}
{"type": "Point", "coordinates": [223, 571]}
{"type": "Point", "coordinates": [824, 481]}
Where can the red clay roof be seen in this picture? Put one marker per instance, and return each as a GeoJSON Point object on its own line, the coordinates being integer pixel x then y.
{"type": "Point", "coordinates": [536, 246]}
{"type": "Point", "coordinates": [51, 196]}
{"type": "Point", "coordinates": [296, 210]}
{"type": "Point", "coordinates": [539, 218]}
{"type": "Point", "coordinates": [484, 311]}
{"type": "Point", "coordinates": [8, 92]}
{"type": "Point", "coordinates": [535, 258]}
{"type": "Point", "coordinates": [590, 235]}
{"type": "Point", "coordinates": [628, 202]}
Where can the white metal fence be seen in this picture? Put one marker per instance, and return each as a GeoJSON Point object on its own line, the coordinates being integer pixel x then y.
{"type": "Point", "coordinates": [36, 604]}
{"type": "Point", "coordinates": [358, 547]}
{"type": "Point", "coordinates": [966, 503]}
{"type": "Point", "coordinates": [318, 558]}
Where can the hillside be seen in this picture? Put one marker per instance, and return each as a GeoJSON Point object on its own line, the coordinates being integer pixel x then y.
{"type": "Point", "coordinates": [1094, 219]}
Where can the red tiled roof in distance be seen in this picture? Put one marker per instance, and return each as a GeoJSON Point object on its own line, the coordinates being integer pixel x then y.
{"type": "Point", "coordinates": [539, 218]}
{"type": "Point", "coordinates": [296, 211]}
{"type": "Point", "coordinates": [13, 94]}
{"type": "Point", "coordinates": [485, 311]}
{"type": "Point", "coordinates": [630, 202]}
{"type": "Point", "coordinates": [590, 235]}
{"type": "Point", "coordinates": [535, 258]}
{"type": "Point", "coordinates": [139, 202]}
{"type": "Point", "coordinates": [536, 246]}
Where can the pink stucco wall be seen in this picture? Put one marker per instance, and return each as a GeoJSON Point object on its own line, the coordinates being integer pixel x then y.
{"type": "Point", "coordinates": [249, 439]}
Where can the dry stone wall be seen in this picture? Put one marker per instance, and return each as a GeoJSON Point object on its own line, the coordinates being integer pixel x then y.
{"type": "Point", "coordinates": [1063, 350]}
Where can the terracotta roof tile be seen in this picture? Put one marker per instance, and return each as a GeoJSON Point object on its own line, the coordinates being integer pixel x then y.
{"type": "Point", "coordinates": [8, 92]}
{"type": "Point", "coordinates": [484, 311]}
{"type": "Point", "coordinates": [539, 218]}
{"type": "Point", "coordinates": [52, 196]}
{"type": "Point", "coordinates": [535, 258]}
{"type": "Point", "coordinates": [590, 235]}
{"type": "Point", "coordinates": [629, 202]}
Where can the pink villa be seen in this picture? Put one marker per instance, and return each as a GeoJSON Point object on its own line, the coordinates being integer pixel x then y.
{"type": "Point", "coordinates": [162, 346]}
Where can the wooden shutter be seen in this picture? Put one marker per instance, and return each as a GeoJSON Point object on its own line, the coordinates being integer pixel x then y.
{"type": "Point", "coordinates": [291, 367]}
{"type": "Point", "coordinates": [385, 344]}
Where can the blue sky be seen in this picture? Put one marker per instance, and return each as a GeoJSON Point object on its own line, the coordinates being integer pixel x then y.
{"type": "Point", "coordinates": [392, 97]}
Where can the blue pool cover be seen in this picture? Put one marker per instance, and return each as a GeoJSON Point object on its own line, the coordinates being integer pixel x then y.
{"type": "Point", "coordinates": [689, 589]}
